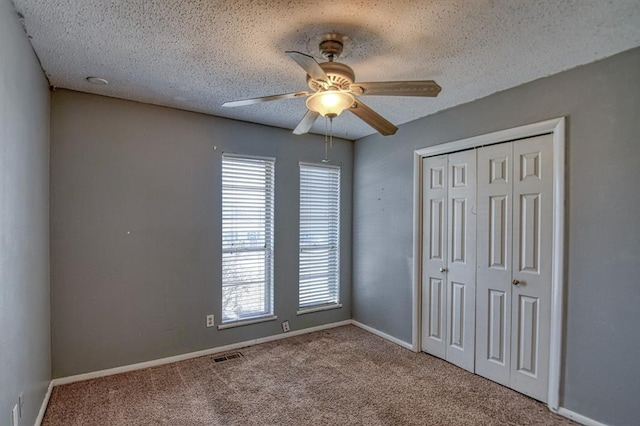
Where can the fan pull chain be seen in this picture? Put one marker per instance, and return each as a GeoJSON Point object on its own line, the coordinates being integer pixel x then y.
{"type": "Point", "coordinates": [326, 150]}
{"type": "Point", "coordinates": [330, 132]}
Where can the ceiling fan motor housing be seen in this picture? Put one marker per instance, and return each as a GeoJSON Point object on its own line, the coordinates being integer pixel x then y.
{"type": "Point", "coordinates": [331, 48]}
{"type": "Point", "coordinates": [341, 76]}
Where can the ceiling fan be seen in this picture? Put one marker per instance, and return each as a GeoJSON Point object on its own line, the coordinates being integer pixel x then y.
{"type": "Point", "coordinates": [334, 89]}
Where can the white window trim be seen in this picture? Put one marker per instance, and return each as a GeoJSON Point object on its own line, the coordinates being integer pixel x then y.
{"type": "Point", "coordinates": [269, 316]}
{"type": "Point", "coordinates": [250, 157]}
{"type": "Point", "coordinates": [327, 307]}
{"type": "Point", "coordinates": [326, 166]}
{"type": "Point", "coordinates": [336, 304]}
{"type": "Point", "coordinates": [247, 322]}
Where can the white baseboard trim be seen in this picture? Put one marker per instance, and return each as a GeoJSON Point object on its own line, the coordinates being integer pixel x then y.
{"type": "Point", "coordinates": [43, 406]}
{"type": "Point", "coordinates": [578, 417]}
{"type": "Point", "coordinates": [383, 335]}
{"type": "Point", "coordinates": [182, 357]}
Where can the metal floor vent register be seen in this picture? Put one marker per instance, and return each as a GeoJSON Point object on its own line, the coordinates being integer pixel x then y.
{"type": "Point", "coordinates": [227, 357]}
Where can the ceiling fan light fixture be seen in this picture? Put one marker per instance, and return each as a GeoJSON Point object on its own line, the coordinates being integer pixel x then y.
{"type": "Point", "coordinates": [330, 103]}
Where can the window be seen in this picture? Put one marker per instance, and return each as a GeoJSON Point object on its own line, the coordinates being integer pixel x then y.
{"type": "Point", "coordinates": [247, 238]}
{"type": "Point", "coordinates": [319, 259]}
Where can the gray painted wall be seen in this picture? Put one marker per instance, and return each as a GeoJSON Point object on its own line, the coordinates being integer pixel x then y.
{"type": "Point", "coordinates": [136, 238]}
{"type": "Point", "coordinates": [24, 223]}
{"type": "Point", "coordinates": [602, 103]}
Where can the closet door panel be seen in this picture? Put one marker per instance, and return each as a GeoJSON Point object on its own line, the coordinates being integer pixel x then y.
{"type": "Point", "coordinates": [494, 251]}
{"type": "Point", "coordinates": [461, 274]}
{"type": "Point", "coordinates": [532, 256]}
{"type": "Point", "coordinates": [434, 255]}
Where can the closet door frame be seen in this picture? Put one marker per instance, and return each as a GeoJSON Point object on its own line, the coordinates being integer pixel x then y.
{"type": "Point", "coordinates": [556, 127]}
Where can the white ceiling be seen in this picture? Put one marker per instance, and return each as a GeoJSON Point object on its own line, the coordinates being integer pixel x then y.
{"type": "Point", "coordinates": [197, 54]}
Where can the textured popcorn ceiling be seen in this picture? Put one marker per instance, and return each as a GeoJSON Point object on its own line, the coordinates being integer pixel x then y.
{"type": "Point", "coordinates": [197, 54]}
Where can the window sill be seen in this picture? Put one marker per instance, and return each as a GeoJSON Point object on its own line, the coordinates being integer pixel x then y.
{"type": "Point", "coordinates": [319, 308]}
{"type": "Point", "coordinates": [247, 322]}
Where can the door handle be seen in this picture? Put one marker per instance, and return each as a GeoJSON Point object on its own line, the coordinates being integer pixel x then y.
{"type": "Point", "coordinates": [444, 270]}
{"type": "Point", "coordinates": [516, 282]}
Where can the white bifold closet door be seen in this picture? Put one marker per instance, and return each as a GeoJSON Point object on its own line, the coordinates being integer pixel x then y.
{"type": "Point", "coordinates": [487, 223]}
{"type": "Point", "coordinates": [515, 224]}
{"type": "Point", "coordinates": [449, 257]}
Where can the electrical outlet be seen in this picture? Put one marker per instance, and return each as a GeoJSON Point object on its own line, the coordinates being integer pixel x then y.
{"type": "Point", "coordinates": [210, 321]}
{"type": "Point", "coordinates": [285, 326]}
{"type": "Point", "coordinates": [21, 404]}
{"type": "Point", "coordinates": [14, 413]}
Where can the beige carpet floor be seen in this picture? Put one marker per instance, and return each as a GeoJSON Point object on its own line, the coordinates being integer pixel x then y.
{"type": "Point", "coordinates": [341, 376]}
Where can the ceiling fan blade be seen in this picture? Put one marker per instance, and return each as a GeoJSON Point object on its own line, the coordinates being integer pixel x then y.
{"type": "Point", "coordinates": [305, 124]}
{"type": "Point", "coordinates": [265, 99]}
{"type": "Point", "coordinates": [309, 64]}
{"type": "Point", "coordinates": [427, 88]}
{"type": "Point", "coordinates": [373, 119]}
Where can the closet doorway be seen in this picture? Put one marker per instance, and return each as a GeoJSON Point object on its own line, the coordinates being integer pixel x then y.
{"type": "Point", "coordinates": [488, 248]}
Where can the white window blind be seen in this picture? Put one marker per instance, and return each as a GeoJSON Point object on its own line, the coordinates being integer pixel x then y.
{"type": "Point", "coordinates": [319, 258]}
{"type": "Point", "coordinates": [247, 237]}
